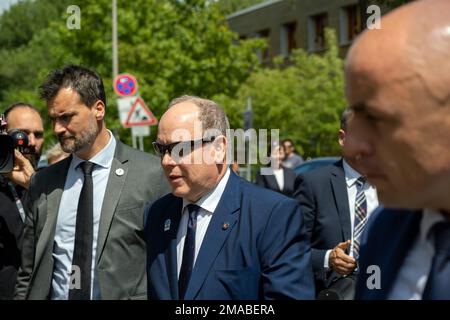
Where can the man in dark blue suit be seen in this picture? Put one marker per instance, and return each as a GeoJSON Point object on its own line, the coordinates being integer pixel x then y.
{"type": "Point", "coordinates": [327, 197]}
{"type": "Point", "coordinates": [218, 236]}
{"type": "Point", "coordinates": [400, 134]}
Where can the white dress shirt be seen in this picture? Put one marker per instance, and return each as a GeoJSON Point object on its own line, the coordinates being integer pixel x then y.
{"type": "Point", "coordinates": [413, 274]}
{"type": "Point", "coordinates": [208, 204]}
{"type": "Point", "coordinates": [66, 223]}
{"type": "Point", "coordinates": [351, 175]}
{"type": "Point", "coordinates": [279, 177]}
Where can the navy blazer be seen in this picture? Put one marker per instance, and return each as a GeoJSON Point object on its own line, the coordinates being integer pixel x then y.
{"type": "Point", "coordinates": [263, 254]}
{"type": "Point", "coordinates": [322, 194]}
{"type": "Point", "coordinates": [270, 182]}
{"type": "Point", "coordinates": [388, 237]}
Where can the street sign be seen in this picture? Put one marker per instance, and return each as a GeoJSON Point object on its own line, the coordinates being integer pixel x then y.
{"type": "Point", "coordinates": [125, 85]}
{"type": "Point", "coordinates": [124, 106]}
{"type": "Point", "coordinates": [140, 115]}
{"type": "Point", "coordinates": [140, 131]}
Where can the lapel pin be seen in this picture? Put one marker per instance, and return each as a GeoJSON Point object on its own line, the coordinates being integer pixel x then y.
{"type": "Point", "coordinates": [120, 172]}
{"type": "Point", "coordinates": [167, 225]}
{"type": "Point", "coordinates": [225, 226]}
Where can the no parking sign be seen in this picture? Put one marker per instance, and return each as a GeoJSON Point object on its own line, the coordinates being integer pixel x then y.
{"type": "Point", "coordinates": [125, 85]}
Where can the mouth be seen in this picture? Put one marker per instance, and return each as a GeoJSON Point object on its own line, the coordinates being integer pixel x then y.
{"type": "Point", "coordinates": [175, 178]}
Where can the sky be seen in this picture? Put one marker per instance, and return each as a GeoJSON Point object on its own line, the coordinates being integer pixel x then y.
{"type": "Point", "coordinates": [4, 4]}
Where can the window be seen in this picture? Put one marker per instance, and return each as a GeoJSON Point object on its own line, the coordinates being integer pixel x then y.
{"type": "Point", "coordinates": [264, 55]}
{"type": "Point", "coordinates": [316, 31]}
{"type": "Point", "coordinates": [287, 38]}
{"type": "Point", "coordinates": [350, 24]}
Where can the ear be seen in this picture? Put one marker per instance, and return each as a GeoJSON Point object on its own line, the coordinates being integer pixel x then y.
{"type": "Point", "coordinates": [220, 149]}
{"type": "Point", "coordinates": [341, 135]}
{"type": "Point", "coordinates": [100, 110]}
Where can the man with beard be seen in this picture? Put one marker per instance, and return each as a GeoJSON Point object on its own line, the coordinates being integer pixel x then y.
{"type": "Point", "coordinates": [25, 117]}
{"type": "Point", "coordinates": [83, 230]}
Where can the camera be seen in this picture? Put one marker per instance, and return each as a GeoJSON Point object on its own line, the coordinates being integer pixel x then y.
{"type": "Point", "coordinates": [15, 139]}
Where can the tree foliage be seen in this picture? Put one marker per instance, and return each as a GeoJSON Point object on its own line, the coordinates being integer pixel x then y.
{"type": "Point", "coordinates": [173, 47]}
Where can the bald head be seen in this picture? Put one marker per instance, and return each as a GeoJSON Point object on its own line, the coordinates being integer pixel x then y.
{"type": "Point", "coordinates": [397, 84]}
{"type": "Point", "coordinates": [414, 41]}
{"type": "Point", "coordinates": [182, 121]}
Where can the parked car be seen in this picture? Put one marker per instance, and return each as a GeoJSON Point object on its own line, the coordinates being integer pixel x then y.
{"type": "Point", "coordinates": [315, 163]}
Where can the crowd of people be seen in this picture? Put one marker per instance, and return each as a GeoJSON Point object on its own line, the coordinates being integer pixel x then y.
{"type": "Point", "coordinates": [106, 221]}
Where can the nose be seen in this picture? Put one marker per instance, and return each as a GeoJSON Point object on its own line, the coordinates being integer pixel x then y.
{"type": "Point", "coordinates": [31, 140]}
{"type": "Point", "coordinates": [58, 128]}
{"type": "Point", "coordinates": [166, 160]}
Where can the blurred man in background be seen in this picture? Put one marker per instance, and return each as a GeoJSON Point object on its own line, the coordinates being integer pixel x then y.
{"type": "Point", "coordinates": [336, 201]}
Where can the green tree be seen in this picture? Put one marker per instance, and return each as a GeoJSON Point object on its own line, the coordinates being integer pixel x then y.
{"type": "Point", "coordinates": [173, 47]}
{"type": "Point", "coordinates": [303, 100]}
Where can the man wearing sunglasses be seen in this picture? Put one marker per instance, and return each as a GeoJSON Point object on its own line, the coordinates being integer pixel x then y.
{"type": "Point", "coordinates": [218, 236]}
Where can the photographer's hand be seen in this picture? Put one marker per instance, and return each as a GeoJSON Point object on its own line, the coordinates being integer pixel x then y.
{"type": "Point", "coordinates": [22, 172]}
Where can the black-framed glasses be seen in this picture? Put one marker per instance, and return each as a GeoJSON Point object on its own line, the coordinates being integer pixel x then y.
{"type": "Point", "coordinates": [182, 147]}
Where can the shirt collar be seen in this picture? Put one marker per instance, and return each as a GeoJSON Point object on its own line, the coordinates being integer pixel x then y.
{"type": "Point", "coordinates": [351, 175]}
{"type": "Point", "coordinates": [429, 219]}
{"type": "Point", "coordinates": [210, 200]}
{"type": "Point", "coordinates": [103, 158]}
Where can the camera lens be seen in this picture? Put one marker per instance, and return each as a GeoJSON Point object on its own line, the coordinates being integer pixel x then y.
{"type": "Point", "coordinates": [20, 139]}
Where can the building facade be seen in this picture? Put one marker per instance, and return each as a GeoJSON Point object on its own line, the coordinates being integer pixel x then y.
{"type": "Point", "coordinates": [291, 24]}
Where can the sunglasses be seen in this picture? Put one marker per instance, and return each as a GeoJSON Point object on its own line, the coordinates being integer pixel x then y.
{"type": "Point", "coordinates": [185, 147]}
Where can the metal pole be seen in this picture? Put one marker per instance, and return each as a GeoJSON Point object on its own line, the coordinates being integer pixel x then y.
{"type": "Point", "coordinates": [115, 58]}
{"type": "Point", "coordinates": [141, 143]}
{"type": "Point", "coordinates": [134, 141]}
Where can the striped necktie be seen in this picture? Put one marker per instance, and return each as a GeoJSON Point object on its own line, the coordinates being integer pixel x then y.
{"type": "Point", "coordinates": [360, 215]}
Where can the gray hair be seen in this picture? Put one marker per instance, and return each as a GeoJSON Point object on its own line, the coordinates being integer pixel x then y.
{"type": "Point", "coordinates": [212, 115]}
{"type": "Point", "coordinates": [345, 116]}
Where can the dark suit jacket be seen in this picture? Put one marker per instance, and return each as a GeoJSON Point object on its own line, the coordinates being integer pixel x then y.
{"type": "Point", "coordinates": [388, 237]}
{"type": "Point", "coordinates": [120, 246]}
{"type": "Point", "coordinates": [11, 227]}
{"type": "Point", "coordinates": [270, 182]}
{"type": "Point", "coordinates": [263, 254]}
{"type": "Point", "coordinates": [322, 194]}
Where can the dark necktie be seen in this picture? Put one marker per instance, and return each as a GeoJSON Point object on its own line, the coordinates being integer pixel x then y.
{"type": "Point", "coordinates": [188, 251]}
{"type": "Point", "coordinates": [82, 253]}
{"type": "Point", "coordinates": [438, 284]}
{"type": "Point", "coordinates": [360, 216]}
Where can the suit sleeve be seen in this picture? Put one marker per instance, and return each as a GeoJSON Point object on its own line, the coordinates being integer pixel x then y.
{"type": "Point", "coordinates": [305, 196]}
{"type": "Point", "coordinates": [286, 255]}
{"type": "Point", "coordinates": [28, 245]}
